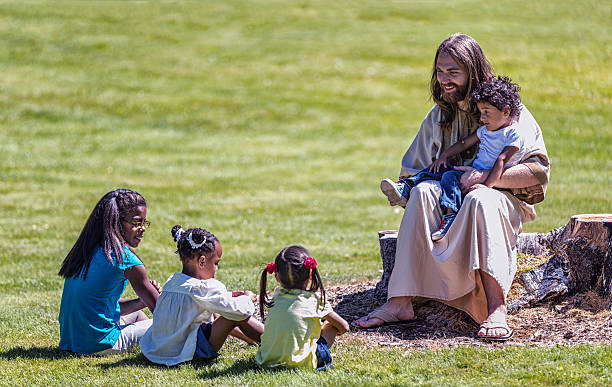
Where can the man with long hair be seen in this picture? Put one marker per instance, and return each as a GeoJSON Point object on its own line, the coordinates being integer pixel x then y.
{"type": "Point", "coordinates": [473, 266]}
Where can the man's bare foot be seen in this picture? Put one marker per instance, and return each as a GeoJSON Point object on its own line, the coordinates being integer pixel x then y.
{"type": "Point", "coordinates": [395, 309]}
{"type": "Point", "coordinates": [495, 327]}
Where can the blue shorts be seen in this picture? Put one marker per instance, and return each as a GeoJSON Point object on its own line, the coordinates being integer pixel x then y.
{"type": "Point", "coordinates": [203, 349]}
{"type": "Point", "coordinates": [324, 358]}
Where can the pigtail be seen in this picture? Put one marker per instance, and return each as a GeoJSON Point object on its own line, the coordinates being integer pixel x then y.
{"type": "Point", "coordinates": [317, 284]}
{"type": "Point", "coordinates": [295, 266]}
{"type": "Point", "coordinates": [264, 301]}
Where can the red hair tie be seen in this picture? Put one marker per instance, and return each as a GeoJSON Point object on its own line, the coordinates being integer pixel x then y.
{"type": "Point", "coordinates": [271, 268]}
{"type": "Point", "coordinates": [310, 263]}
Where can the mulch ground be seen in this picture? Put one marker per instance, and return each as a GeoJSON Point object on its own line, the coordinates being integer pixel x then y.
{"type": "Point", "coordinates": [579, 319]}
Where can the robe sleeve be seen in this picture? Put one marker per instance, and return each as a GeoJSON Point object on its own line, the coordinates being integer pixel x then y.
{"type": "Point", "coordinates": [536, 159]}
{"type": "Point", "coordinates": [425, 147]}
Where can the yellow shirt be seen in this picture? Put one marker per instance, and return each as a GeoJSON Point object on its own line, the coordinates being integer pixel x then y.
{"type": "Point", "coordinates": [292, 329]}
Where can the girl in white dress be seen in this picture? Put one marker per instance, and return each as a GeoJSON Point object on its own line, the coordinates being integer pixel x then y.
{"type": "Point", "coordinates": [195, 313]}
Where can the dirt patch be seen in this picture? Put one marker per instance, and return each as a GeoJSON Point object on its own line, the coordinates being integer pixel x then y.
{"type": "Point", "coordinates": [582, 318]}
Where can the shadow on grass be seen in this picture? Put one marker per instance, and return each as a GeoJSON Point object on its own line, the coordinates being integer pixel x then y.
{"type": "Point", "coordinates": [206, 369]}
{"type": "Point", "coordinates": [135, 359]}
{"type": "Point", "coordinates": [138, 359]}
{"type": "Point", "coordinates": [51, 353]}
{"type": "Point", "coordinates": [237, 368]}
{"type": "Point", "coordinates": [433, 319]}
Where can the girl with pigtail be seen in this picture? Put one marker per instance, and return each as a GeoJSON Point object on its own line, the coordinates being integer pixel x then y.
{"type": "Point", "coordinates": [195, 313]}
{"type": "Point", "coordinates": [293, 334]}
{"type": "Point", "coordinates": [93, 318]}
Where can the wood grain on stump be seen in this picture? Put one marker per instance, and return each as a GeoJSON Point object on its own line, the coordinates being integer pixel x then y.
{"type": "Point", "coordinates": [587, 245]}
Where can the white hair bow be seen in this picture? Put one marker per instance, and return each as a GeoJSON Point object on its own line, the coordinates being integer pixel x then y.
{"type": "Point", "coordinates": [193, 244]}
{"type": "Point", "coordinates": [179, 233]}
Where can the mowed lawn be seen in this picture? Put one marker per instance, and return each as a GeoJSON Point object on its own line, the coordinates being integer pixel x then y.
{"type": "Point", "coordinates": [269, 123]}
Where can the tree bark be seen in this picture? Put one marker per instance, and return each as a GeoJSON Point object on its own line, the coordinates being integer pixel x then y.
{"type": "Point", "coordinates": [579, 259]}
{"type": "Point", "coordinates": [586, 243]}
{"type": "Point", "coordinates": [388, 243]}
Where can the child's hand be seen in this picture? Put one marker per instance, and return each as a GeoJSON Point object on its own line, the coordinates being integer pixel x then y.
{"type": "Point", "coordinates": [248, 293]}
{"type": "Point", "coordinates": [436, 165]}
{"type": "Point", "coordinates": [252, 295]}
{"type": "Point", "coordinates": [476, 186]}
{"type": "Point", "coordinates": [156, 285]}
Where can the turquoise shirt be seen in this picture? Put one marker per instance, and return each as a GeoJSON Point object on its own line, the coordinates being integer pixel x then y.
{"type": "Point", "coordinates": [89, 312]}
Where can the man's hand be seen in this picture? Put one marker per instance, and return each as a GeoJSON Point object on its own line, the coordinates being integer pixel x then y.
{"type": "Point", "coordinates": [471, 177]}
{"type": "Point", "coordinates": [438, 164]}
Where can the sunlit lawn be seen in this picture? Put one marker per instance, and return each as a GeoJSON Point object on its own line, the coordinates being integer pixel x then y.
{"type": "Point", "coordinates": [268, 123]}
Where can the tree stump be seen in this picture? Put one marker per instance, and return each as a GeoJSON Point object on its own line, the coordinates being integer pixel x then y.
{"type": "Point", "coordinates": [388, 243]}
{"type": "Point", "coordinates": [585, 244]}
{"type": "Point", "coordinates": [579, 258]}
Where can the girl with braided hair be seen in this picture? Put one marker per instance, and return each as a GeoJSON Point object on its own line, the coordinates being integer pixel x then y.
{"type": "Point", "coordinates": [93, 318]}
{"type": "Point", "coordinates": [195, 313]}
{"type": "Point", "coordinates": [294, 335]}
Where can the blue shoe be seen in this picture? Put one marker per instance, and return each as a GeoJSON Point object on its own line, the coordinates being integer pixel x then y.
{"type": "Point", "coordinates": [393, 191]}
{"type": "Point", "coordinates": [445, 225]}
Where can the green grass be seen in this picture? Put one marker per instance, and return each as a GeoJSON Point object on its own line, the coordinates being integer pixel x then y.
{"type": "Point", "coordinates": [511, 366]}
{"type": "Point", "coordinates": [268, 123]}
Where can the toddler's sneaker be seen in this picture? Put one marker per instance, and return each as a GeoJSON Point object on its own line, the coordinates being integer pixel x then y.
{"type": "Point", "coordinates": [393, 191]}
{"type": "Point", "coordinates": [445, 225]}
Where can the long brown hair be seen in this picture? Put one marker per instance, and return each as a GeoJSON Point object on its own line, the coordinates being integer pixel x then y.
{"type": "Point", "coordinates": [466, 52]}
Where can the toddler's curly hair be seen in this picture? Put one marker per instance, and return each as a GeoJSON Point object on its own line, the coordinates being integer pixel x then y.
{"type": "Point", "coordinates": [499, 92]}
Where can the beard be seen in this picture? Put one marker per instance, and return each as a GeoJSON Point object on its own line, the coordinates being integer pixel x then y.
{"type": "Point", "coordinates": [457, 95]}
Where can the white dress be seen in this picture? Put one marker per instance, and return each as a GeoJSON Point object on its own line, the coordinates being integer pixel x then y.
{"type": "Point", "coordinates": [183, 305]}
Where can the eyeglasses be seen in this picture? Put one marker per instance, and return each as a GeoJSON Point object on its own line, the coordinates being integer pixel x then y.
{"type": "Point", "coordinates": [138, 223]}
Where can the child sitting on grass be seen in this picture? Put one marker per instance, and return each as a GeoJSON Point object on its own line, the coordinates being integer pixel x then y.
{"type": "Point", "coordinates": [293, 334]}
{"type": "Point", "coordinates": [500, 147]}
{"type": "Point", "coordinates": [195, 313]}
{"type": "Point", "coordinates": [93, 318]}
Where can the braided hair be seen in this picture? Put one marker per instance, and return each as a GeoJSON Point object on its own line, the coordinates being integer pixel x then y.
{"type": "Point", "coordinates": [103, 227]}
{"type": "Point", "coordinates": [193, 242]}
{"type": "Point", "coordinates": [293, 273]}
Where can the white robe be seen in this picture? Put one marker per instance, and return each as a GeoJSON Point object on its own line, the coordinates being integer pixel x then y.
{"type": "Point", "coordinates": [483, 235]}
